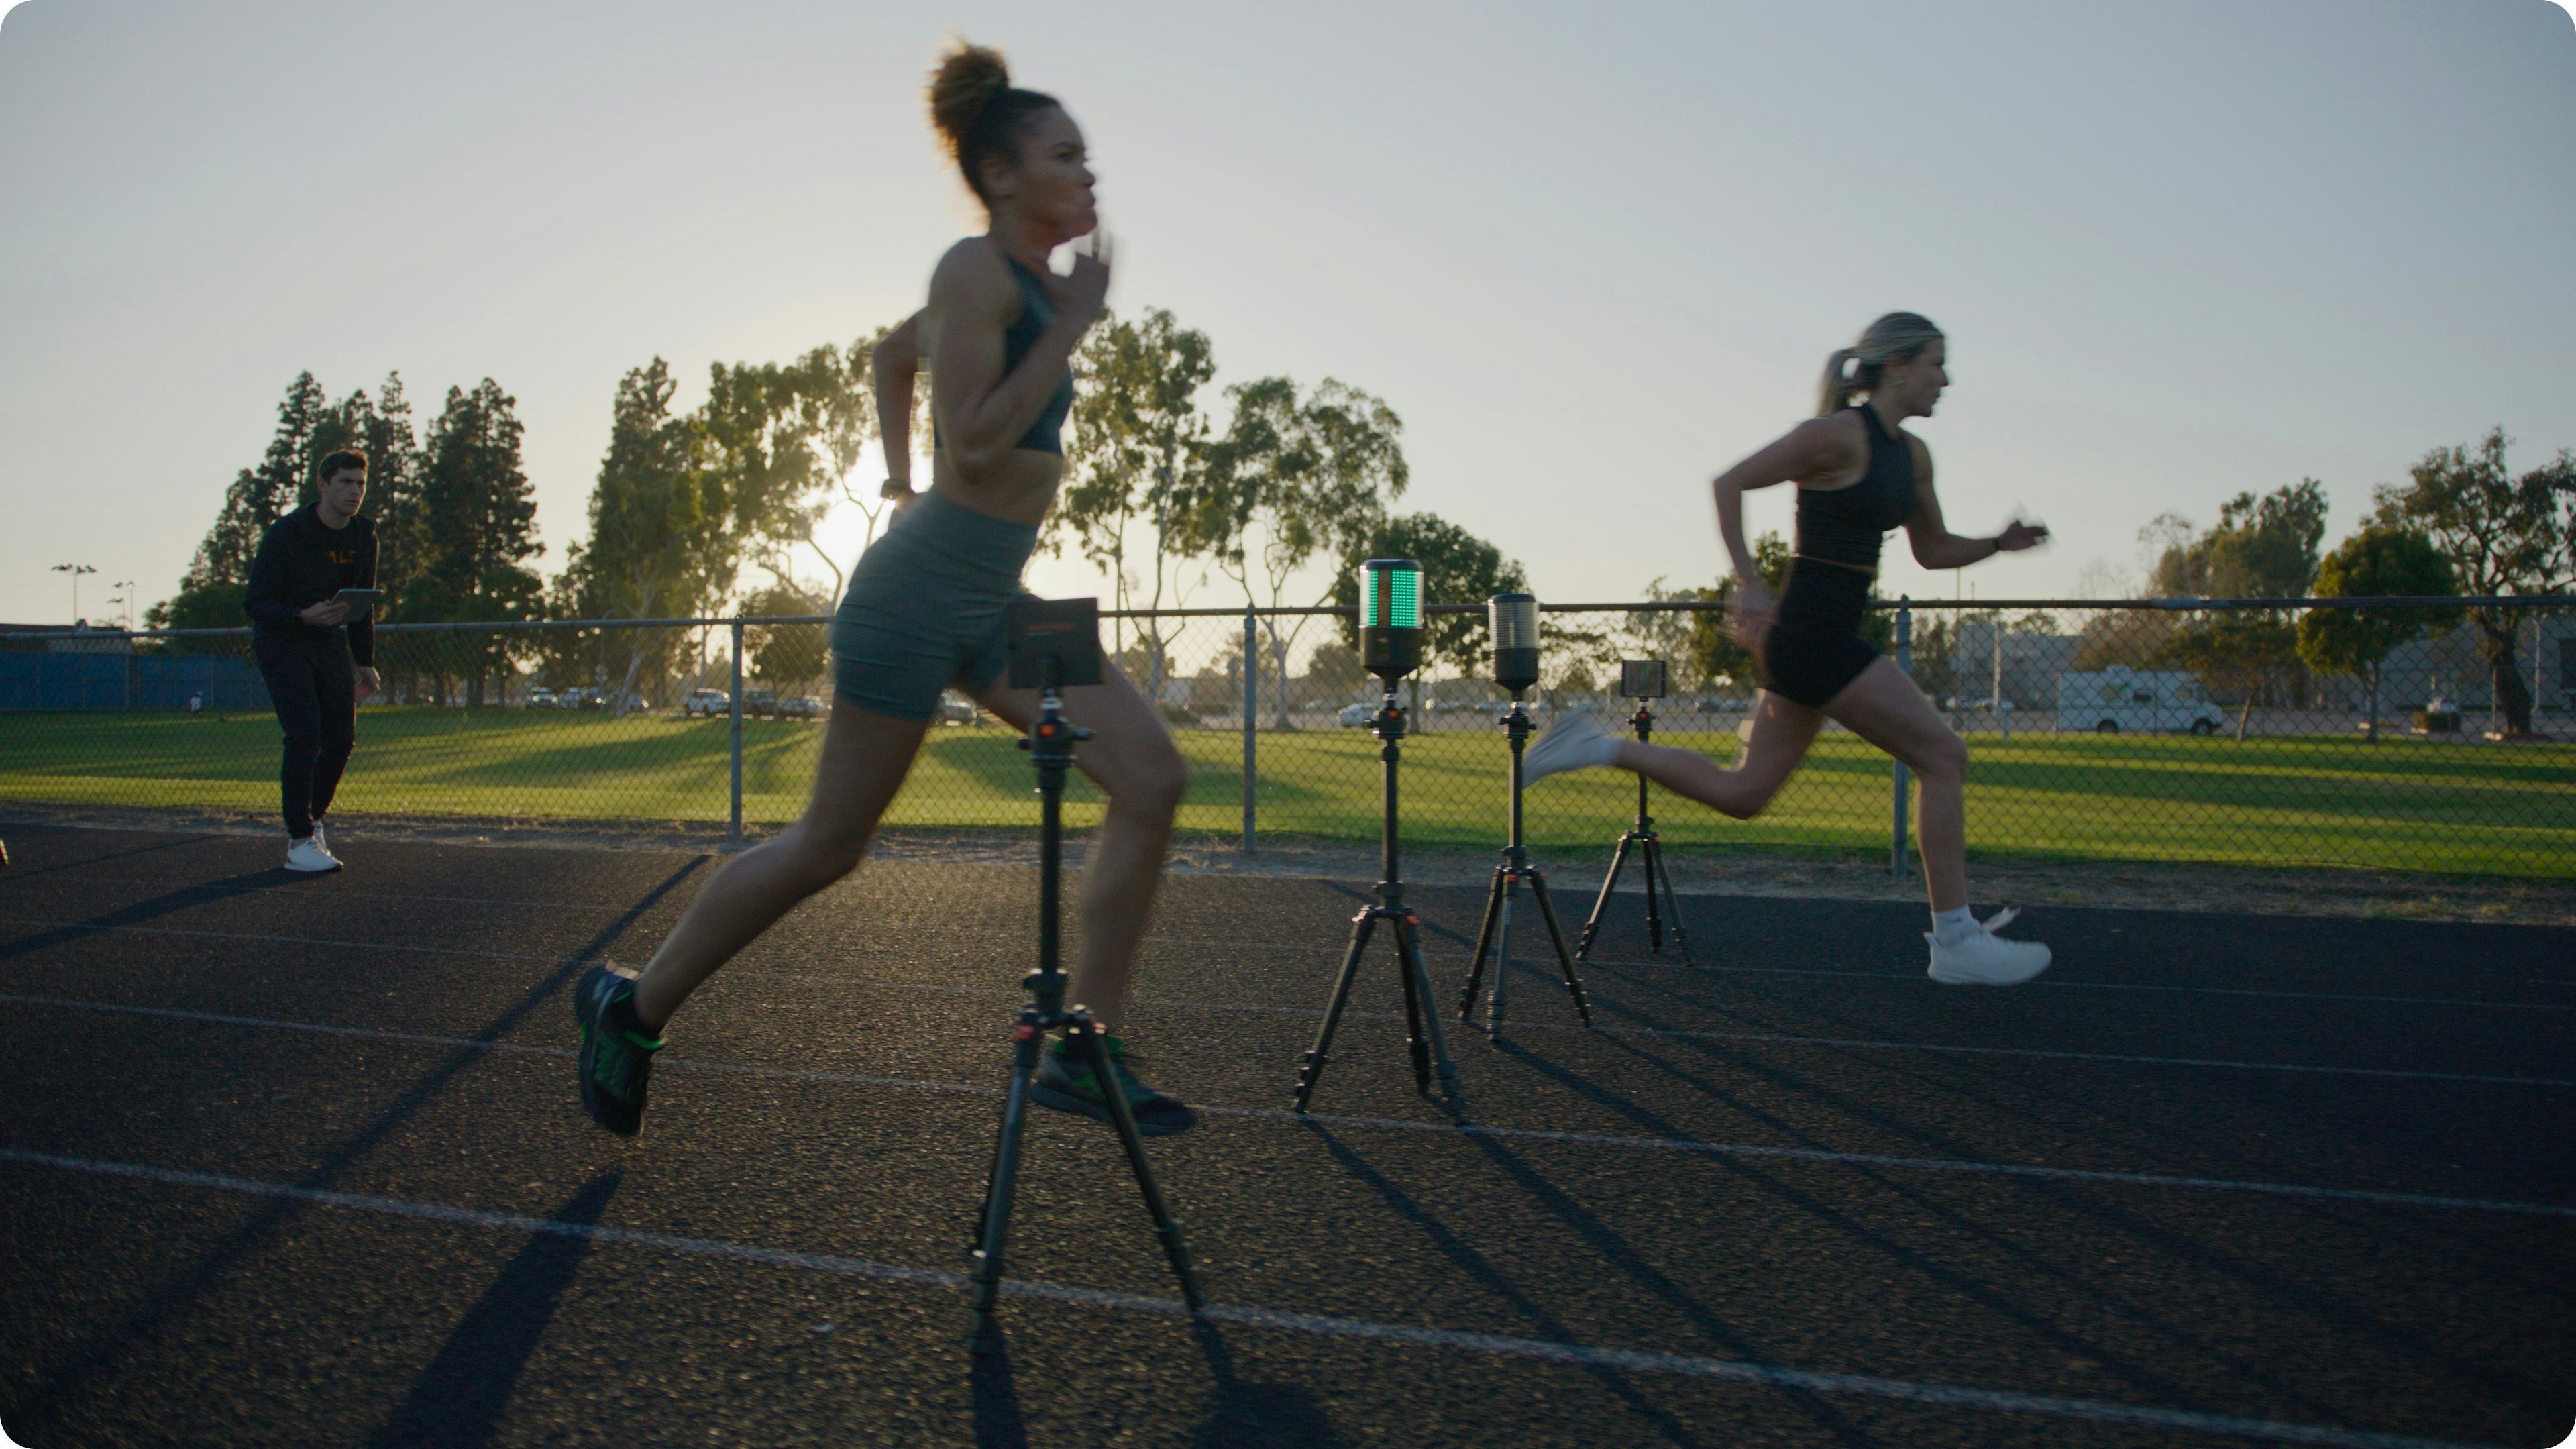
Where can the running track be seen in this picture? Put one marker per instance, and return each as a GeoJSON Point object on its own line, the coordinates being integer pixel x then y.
{"type": "Point", "coordinates": [297, 1161]}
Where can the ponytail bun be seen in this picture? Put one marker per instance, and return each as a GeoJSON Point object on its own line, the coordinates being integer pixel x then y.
{"type": "Point", "coordinates": [968, 78]}
{"type": "Point", "coordinates": [978, 113]}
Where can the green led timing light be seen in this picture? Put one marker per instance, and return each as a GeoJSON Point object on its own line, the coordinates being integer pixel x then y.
{"type": "Point", "coordinates": [1393, 599]}
{"type": "Point", "coordinates": [1390, 616]}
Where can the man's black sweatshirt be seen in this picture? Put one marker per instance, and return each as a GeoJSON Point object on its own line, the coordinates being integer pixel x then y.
{"type": "Point", "coordinates": [300, 563]}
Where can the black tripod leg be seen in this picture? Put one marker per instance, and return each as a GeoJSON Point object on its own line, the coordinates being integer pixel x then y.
{"type": "Point", "coordinates": [1123, 1117]}
{"type": "Point", "coordinates": [1498, 999]}
{"type": "Point", "coordinates": [1408, 948]}
{"type": "Point", "coordinates": [1601, 904]}
{"type": "Point", "coordinates": [1564, 958]}
{"type": "Point", "coordinates": [1415, 1008]}
{"type": "Point", "coordinates": [1648, 858]}
{"type": "Point", "coordinates": [1484, 943]}
{"type": "Point", "coordinates": [995, 1222]}
{"type": "Point", "coordinates": [1311, 1070]}
{"type": "Point", "coordinates": [1656, 871]}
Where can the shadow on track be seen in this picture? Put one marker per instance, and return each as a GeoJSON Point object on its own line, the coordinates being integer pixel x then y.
{"type": "Point", "coordinates": [456, 1402]}
{"type": "Point", "coordinates": [38, 1409]}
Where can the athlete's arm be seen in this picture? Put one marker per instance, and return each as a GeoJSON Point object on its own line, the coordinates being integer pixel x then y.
{"type": "Point", "coordinates": [982, 411]}
{"type": "Point", "coordinates": [1935, 546]}
{"type": "Point", "coordinates": [898, 365]}
{"type": "Point", "coordinates": [1815, 449]}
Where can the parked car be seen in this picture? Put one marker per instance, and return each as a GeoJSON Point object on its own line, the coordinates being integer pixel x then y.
{"type": "Point", "coordinates": [760, 703]}
{"type": "Point", "coordinates": [706, 703]}
{"type": "Point", "coordinates": [956, 709]}
{"type": "Point", "coordinates": [1357, 716]}
{"type": "Point", "coordinates": [2119, 699]}
{"type": "Point", "coordinates": [539, 699]}
{"type": "Point", "coordinates": [803, 706]}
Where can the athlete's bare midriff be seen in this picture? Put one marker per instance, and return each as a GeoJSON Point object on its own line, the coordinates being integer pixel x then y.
{"type": "Point", "coordinates": [1019, 488]}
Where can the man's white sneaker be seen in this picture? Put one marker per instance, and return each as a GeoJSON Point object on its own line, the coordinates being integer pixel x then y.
{"type": "Point", "coordinates": [1979, 957]}
{"type": "Point", "coordinates": [308, 855]}
{"type": "Point", "coordinates": [1576, 742]}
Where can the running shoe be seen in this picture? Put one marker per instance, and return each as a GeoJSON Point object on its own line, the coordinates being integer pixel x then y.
{"type": "Point", "coordinates": [307, 855]}
{"type": "Point", "coordinates": [1979, 957]}
{"type": "Point", "coordinates": [1576, 742]}
{"type": "Point", "coordinates": [616, 1051]}
{"type": "Point", "coordinates": [1069, 1085]}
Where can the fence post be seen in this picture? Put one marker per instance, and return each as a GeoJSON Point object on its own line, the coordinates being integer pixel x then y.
{"type": "Point", "coordinates": [736, 829]}
{"type": "Point", "coordinates": [1905, 662]}
{"type": "Point", "coordinates": [1251, 703]}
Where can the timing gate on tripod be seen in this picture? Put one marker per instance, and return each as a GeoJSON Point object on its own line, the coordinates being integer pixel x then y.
{"type": "Point", "coordinates": [1514, 621]}
{"type": "Point", "coordinates": [1391, 647]}
{"type": "Point", "coordinates": [1055, 645]}
{"type": "Point", "coordinates": [1641, 680]}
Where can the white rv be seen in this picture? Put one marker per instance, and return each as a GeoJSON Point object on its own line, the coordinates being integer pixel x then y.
{"type": "Point", "coordinates": [2121, 700]}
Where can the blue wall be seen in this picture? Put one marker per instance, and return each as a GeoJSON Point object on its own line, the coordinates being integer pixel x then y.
{"type": "Point", "coordinates": [128, 681]}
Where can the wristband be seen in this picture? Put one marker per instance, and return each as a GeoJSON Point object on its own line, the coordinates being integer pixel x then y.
{"type": "Point", "coordinates": [895, 488]}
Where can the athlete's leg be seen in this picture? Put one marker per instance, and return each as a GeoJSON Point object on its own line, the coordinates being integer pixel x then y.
{"type": "Point", "coordinates": [335, 691]}
{"type": "Point", "coordinates": [865, 757]}
{"type": "Point", "coordinates": [1131, 757]}
{"type": "Point", "coordinates": [1782, 731]}
{"type": "Point", "coordinates": [1883, 707]}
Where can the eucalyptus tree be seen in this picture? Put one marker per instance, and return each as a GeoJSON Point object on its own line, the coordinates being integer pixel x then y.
{"type": "Point", "coordinates": [1294, 480]}
{"type": "Point", "coordinates": [2501, 534]}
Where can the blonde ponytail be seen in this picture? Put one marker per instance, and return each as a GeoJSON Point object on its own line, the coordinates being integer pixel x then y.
{"type": "Point", "coordinates": [1855, 369]}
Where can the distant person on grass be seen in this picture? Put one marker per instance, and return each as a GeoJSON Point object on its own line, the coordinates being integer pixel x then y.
{"type": "Point", "coordinates": [925, 608]}
{"type": "Point", "coordinates": [1859, 474]}
{"type": "Point", "coordinates": [317, 654]}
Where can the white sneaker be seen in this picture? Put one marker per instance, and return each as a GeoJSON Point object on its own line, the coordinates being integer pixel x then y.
{"type": "Point", "coordinates": [322, 840]}
{"type": "Point", "coordinates": [1982, 958]}
{"type": "Point", "coordinates": [1576, 742]}
{"type": "Point", "coordinates": [308, 855]}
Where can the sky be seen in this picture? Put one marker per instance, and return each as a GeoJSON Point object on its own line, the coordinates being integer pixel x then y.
{"type": "Point", "coordinates": [1591, 253]}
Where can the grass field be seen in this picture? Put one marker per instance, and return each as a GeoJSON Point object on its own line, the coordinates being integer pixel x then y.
{"type": "Point", "coordinates": [2403, 804]}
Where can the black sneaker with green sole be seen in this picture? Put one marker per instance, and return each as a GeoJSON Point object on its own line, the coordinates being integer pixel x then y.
{"type": "Point", "coordinates": [1069, 1085]}
{"type": "Point", "coordinates": [616, 1051]}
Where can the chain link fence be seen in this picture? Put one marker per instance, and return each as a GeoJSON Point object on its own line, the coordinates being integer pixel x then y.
{"type": "Point", "coordinates": [2426, 735]}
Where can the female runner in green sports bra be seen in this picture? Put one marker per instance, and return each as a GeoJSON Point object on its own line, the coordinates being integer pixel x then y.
{"type": "Point", "coordinates": [924, 607]}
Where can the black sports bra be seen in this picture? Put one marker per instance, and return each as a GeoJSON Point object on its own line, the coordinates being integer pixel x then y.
{"type": "Point", "coordinates": [1037, 313]}
{"type": "Point", "coordinates": [1845, 526]}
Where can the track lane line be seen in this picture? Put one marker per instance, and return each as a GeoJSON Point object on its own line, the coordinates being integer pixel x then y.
{"type": "Point", "coordinates": [1394, 1124]}
{"type": "Point", "coordinates": [1271, 1319]}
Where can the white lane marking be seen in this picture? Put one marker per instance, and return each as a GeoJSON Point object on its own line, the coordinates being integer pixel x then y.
{"type": "Point", "coordinates": [1392, 1124]}
{"type": "Point", "coordinates": [1901, 978]}
{"type": "Point", "coordinates": [1858, 1044]}
{"type": "Point", "coordinates": [1276, 1320]}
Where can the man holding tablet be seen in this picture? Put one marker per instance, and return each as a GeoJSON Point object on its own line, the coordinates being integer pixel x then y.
{"type": "Point", "coordinates": [315, 573]}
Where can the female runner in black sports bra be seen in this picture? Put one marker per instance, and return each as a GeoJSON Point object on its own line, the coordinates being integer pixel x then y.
{"type": "Point", "coordinates": [1859, 474]}
{"type": "Point", "coordinates": [924, 608]}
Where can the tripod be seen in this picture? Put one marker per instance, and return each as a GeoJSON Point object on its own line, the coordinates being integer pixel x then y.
{"type": "Point", "coordinates": [1650, 855]}
{"type": "Point", "coordinates": [1050, 745]}
{"type": "Point", "coordinates": [1422, 1019]}
{"type": "Point", "coordinates": [1496, 933]}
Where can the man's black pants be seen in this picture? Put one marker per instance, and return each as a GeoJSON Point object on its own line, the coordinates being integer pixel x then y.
{"type": "Point", "coordinates": [315, 689]}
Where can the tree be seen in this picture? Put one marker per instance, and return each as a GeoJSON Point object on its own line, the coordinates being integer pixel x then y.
{"type": "Point", "coordinates": [1293, 479]}
{"type": "Point", "coordinates": [2260, 548]}
{"type": "Point", "coordinates": [658, 545]}
{"type": "Point", "coordinates": [785, 654]}
{"type": "Point", "coordinates": [210, 594]}
{"type": "Point", "coordinates": [1138, 456]}
{"type": "Point", "coordinates": [2501, 535]}
{"type": "Point", "coordinates": [2378, 562]}
{"type": "Point", "coordinates": [477, 525]}
{"type": "Point", "coordinates": [1457, 567]}
{"type": "Point", "coordinates": [381, 428]}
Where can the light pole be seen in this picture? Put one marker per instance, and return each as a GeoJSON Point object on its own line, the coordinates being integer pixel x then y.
{"type": "Point", "coordinates": [126, 600]}
{"type": "Point", "coordinates": [75, 570]}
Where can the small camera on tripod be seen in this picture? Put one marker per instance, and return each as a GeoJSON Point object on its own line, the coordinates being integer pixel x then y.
{"type": "Point", "coordinates": [1641, 679]}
